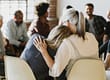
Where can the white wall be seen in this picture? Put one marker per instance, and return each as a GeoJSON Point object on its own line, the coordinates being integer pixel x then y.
{"type": "Point", "coordinates": [100, 6]}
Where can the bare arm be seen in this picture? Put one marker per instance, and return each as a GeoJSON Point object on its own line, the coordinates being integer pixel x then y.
{"type": "Point", "coordinates": [42, 47]}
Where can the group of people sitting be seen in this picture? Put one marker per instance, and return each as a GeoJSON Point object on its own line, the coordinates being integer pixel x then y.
{"type": "Point", "coordinates": [52, 53]}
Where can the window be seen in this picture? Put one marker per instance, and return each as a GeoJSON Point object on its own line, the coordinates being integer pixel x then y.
{"type": "Point", "coordinates": [8, 8]}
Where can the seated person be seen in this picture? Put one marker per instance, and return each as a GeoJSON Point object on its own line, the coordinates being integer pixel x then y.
{"type": "Point", "coordinates": [107, 60]}
{"type": "Point", "coordinates": [41, 23]}
{"type": "Point", "coordinates": [16, 32]}
{"type": "Point", "coordinates": [103, 47]}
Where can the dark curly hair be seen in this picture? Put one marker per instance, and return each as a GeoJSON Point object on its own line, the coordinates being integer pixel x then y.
{"type": "Point", "coordinates": [18, 13]}
{"type": "Point", "coordinates": [42, 8]}
{"type": "Point", "coordinates": [89, 4]}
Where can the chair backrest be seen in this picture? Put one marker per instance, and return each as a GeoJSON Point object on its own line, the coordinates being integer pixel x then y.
{"type": "Point", "coordinates": [17, 69]}
{"type": "Point", "coordinates": [108, 74]}
{"type": "Point", "coordinates": [87, 69]}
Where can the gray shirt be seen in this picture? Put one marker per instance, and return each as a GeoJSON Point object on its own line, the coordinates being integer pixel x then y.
{"type": "Point", "coordinates": [91, 29]}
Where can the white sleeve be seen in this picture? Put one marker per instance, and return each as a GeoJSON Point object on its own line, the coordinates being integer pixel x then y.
{"type": "Point", "coordinates": [31, 27]}
{"type": "Point", "coordinates": [11, 34]}
{"type": "Point", "coordinates": [62, 58]}
{"type": "Point", "coordinates": [25, 32]}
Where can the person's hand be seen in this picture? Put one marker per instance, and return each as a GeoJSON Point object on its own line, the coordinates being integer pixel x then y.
{"type": "Point", "coordinates": [35, 29]}
{"type": "Point", "coordinates": [107, 61]}
{"type": "Point", "coordinates": [6, 42]}
{"type": "Point", "coordinates": [40, 44]}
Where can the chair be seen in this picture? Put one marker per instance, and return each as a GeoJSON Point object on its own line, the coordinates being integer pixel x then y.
{"type": "Point", "coordinates": [108, 74]}
{"type": "Point", "coordinates": [17, 69]}
{"type": "Point", "coordinates": [87, 69]}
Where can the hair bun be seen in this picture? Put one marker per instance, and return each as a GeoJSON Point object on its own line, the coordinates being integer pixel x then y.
{"type": "Point", "coordinates": [42, 8]}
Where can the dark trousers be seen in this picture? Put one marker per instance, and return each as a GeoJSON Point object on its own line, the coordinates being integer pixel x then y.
{"type": "Point", "coordinates": [103, 49]}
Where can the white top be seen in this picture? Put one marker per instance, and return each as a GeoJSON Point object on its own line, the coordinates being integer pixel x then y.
{"type": "Point", "coordinates": [14, 32]}
{"type": "Point", "coordinates": [66, 52]}
{"type": "Point", "coordinates": [31, 27]}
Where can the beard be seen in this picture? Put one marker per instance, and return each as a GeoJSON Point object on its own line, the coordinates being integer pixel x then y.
{"type": "Point", "coordinates": [18, 23]}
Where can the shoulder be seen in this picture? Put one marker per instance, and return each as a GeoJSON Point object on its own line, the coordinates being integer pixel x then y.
{"type": "Point", "coordinates": [23, 24]}
{"type": "Point", "coordinates": [10, 24]}
{"type": "Point", "coordinates": [99, 17]}
{"type": "Point", "coordinates": [11, 21]}
{"type": "Point", "coordinates": [89, 35]}
{"type": "Point", "coordinates": [31, 39]}
{"type": "Point", "coordinates": [68, 39]}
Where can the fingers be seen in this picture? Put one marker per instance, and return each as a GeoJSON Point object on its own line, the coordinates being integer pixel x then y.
{"type": "Point", "coordinates": [36, 43]}
{"type": "Point", "coordinates": [44, 44]}
{"type": "Point", "coordinates": [39, 43]}
{"type": "Point", "coordinates": [39, 38]}
{"type": "Point", "coordinates": [35, 29]}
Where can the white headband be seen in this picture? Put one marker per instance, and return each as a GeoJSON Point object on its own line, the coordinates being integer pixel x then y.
{"type": "Point", "coordinates": [69, 14]}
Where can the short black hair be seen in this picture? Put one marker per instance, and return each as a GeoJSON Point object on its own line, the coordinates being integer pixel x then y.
{"type": "Point", "coordinates": [90, 4]}
{"type": "Point", "coordinates": [42, 8]}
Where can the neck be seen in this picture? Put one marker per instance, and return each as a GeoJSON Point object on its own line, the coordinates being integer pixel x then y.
{"type": "Point", "coordinates": [90, 17]}
{"type": "Point", "coordinates": [43, 19]}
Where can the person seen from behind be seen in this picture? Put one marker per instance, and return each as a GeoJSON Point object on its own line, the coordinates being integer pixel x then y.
{"type": "Point", "coordinates": [40, 25]}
